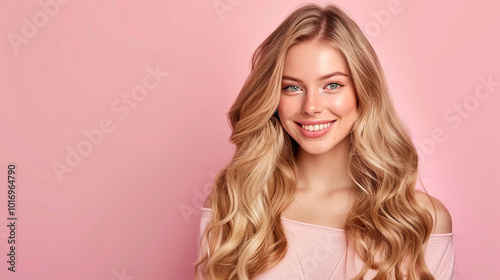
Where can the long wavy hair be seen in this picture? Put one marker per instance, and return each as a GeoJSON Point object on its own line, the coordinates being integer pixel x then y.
{"type": "Point", "coordinates": [387, 226]}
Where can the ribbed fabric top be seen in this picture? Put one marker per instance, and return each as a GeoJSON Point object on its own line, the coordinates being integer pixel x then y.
{"type": "Point", "coordinates": [320, 253]}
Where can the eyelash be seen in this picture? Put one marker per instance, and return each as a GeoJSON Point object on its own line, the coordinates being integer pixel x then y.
{"type": "Point", "coordinates": [339, 86]}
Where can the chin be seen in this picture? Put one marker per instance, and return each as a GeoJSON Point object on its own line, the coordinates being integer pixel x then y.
{"type": "Point", "coordinates": [315, 150]}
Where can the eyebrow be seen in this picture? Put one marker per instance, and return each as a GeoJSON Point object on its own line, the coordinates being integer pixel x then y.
{"type": "Point", "coordinates": [324, 77]}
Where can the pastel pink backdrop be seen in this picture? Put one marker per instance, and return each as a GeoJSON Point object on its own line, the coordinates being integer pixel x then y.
{"type": "Point", "coordinates": [128, 206]}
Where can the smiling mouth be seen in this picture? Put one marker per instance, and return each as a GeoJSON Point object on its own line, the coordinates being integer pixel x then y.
{"type": "Point", "coordinates": [315, 127]}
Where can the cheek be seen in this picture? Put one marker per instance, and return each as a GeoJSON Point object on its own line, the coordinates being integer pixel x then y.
{"type": "Point", "coordinates": [286, 108]}
{"type": "Point", "coordinates": [345, 104]}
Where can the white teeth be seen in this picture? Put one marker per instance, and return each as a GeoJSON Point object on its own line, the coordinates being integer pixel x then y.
{"type": "Point", "coordinates": [316, 127]}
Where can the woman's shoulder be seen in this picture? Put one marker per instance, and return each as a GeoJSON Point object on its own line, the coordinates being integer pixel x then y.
{"type": "Point", "coordinates": [440, 214]}
{"type": "Point", "coordinates": [207, 203]}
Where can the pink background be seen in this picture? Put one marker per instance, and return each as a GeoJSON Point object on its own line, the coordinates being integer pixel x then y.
{"type": "Point", "coordinates": [129, 207]}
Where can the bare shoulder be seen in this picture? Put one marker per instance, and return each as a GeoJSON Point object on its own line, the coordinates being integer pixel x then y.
{"type": "Point", "coordinates": [440, 214]}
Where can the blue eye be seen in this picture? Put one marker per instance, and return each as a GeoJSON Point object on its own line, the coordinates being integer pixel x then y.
{"type": "Point", "coordinates": [336, 85]}
{"type": "Point", "coordinates": [297, 88]}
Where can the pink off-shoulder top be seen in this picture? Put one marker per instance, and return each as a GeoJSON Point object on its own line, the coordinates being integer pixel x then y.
{"type": "Point", "coordinates": [320, 253]}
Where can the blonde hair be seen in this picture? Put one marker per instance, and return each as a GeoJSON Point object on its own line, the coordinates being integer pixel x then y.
{"type": "Point", "coordinates": [387, 226]}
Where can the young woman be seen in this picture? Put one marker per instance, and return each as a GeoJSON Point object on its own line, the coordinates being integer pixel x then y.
{"type": "Point", "coordinates": [322, 182]}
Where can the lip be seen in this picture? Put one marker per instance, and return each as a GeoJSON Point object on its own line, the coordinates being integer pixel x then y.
{"type": "Point", "coordinates": [315, 122]}
{"type": "Point", "coordinates": [315, 134]}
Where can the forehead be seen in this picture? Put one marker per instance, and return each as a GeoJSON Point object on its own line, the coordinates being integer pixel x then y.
{"type": "Point", "coordinates": [312, 59]}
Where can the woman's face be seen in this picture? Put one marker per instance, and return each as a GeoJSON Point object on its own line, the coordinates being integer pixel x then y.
{"type": "Point", "coordinates": [316, 91]}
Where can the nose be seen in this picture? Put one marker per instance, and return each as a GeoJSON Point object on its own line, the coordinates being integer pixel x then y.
{"type": "Point", "coordinates": [313, 103]}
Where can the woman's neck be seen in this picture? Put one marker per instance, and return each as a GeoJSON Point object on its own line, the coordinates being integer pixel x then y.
{"type": "Point", "coordinates": [324, 173]}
